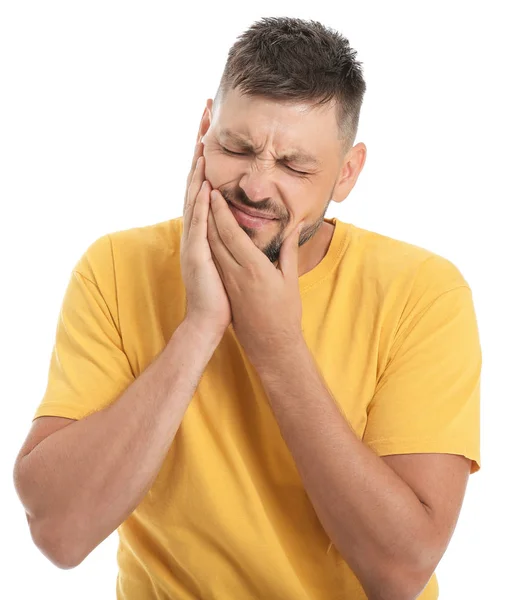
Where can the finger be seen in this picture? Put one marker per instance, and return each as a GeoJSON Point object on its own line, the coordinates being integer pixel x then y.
{"type": "Point", "coordinates": [217, 244]}
{"type": "Point", "coordinates": [192, 193]}
{"type": "Point", "coordinates": [197, 228]}
{"type": "Point", "coordinates": [199, 151]}
{"type": "Point", "coordinates": [199, 147]}
{"type": "Point", "coordinates": [289, 255]}
{"type": "Point", "coordinates": [236, 242]}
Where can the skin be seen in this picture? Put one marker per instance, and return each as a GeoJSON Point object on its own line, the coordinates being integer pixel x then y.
{"type": "Point", "coordinates": [261, 180]}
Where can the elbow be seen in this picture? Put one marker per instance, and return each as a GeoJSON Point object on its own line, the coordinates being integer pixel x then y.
{"type": "Point", "coordinates": [46, 536]}
{"type": "Point", "coordinates": [403, 589]}
{"type": "Point", "coordinates": [417, 575]}
{"type": "Point", "coordinates": [411, 586]}
{"type": "Point", "coordinates": [399, 583]}
{"type": "Point", "coordinates": [408, 587]}
{"type": "Point", "coordinates": [54, 545]}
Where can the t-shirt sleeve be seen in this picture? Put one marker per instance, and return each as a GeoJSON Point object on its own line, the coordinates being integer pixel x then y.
{"type": "Point", "coordinates": [428, 397]}
{"type": "Point", "coordinates": [88, 366]}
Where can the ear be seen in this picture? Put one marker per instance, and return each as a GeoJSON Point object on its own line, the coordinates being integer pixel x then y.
{"type": "Point", "coordinates": [351, 167]}
{"type": "Point", "coordinates": [205, 123]}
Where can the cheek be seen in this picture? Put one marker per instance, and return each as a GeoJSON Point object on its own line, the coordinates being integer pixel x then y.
{"type": "Point", "coordinates": [218, 171]}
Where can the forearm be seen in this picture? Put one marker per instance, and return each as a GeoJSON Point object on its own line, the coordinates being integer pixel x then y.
{"type": "Point", "coordinates": [79, 484]}
{"type": "Point", "coordinates": [372, 516]}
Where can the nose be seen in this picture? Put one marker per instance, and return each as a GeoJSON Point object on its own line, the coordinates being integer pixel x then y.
{"type": "Point", "coordinates": [257, 184]}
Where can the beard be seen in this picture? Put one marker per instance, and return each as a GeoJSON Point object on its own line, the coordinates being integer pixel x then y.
{"type": "Point", "coordinates": [272, 249]}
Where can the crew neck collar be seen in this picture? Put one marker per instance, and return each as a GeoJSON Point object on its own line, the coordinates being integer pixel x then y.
{"type": "Point", "coordinates": [338, 244]}
{"type": "Point", "coordinates": [334, 253]}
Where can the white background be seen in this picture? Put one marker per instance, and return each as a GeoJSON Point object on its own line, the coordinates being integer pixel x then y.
{"type": "Point", "coordinates": [100, 105]}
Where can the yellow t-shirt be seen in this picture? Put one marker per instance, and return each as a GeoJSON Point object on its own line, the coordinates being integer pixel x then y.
{"type": "Point", "coordinates": [393, 331]}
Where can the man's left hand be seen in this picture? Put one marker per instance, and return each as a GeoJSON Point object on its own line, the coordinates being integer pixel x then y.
{"type": "Point", "coordinates": [265, 300]}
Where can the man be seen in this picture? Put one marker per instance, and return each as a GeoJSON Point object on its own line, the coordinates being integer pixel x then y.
{"type": "Point", "coordinates": [261, 411]}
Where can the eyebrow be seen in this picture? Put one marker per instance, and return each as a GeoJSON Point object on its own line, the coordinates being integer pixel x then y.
{"type": "Point", "coordinates": [296, 156]}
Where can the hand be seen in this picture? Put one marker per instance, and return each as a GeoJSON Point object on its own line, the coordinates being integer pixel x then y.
{"type": "Point", "coordinates": [208, 306]}
{"type": "Point", "coordinates": [265, 299]}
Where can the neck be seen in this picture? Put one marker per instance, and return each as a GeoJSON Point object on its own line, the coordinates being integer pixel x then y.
{"type": "Point", "coordinates": [313, 252]}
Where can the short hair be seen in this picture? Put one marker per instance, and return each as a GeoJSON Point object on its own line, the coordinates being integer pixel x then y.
{"type": "Point", "coordinates": [291, 59]}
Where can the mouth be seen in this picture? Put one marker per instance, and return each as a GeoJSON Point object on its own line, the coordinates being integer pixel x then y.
{"type": "Point", "coordinates": [248, 220]}
{"type": "Point", "coordinates": [250, 213]}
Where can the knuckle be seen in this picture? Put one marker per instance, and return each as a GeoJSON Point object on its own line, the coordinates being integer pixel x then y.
{"type": "Point", "coordinates": [195, 220]}
{"type": "Point", "coordinates": [227, 235]}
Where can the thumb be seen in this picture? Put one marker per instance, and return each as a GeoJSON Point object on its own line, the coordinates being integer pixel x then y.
{"type": "Point", "coordinates": [289, 254]}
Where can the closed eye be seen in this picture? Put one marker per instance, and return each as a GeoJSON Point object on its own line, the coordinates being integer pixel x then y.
{"type": "Point", "coordinates": [242, 154]}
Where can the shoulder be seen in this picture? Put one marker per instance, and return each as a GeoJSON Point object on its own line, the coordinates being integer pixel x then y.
{"type": "Point", "coordinates": [162, 237]}
{"type": "Point", "coordinates": [402, 269]}
{"type": "Point", "coordinates": [129, 248]}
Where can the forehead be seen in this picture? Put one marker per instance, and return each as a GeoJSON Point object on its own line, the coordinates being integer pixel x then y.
{"type": "Point", "coordinates": [298, 131]}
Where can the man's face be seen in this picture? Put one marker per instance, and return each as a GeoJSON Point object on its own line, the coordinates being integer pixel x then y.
{"type": "Point", "coordinates": [264, 132]}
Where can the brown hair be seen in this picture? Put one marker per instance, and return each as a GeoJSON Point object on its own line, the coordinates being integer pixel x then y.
{"type": "Point", "coordinates": [295, 60]}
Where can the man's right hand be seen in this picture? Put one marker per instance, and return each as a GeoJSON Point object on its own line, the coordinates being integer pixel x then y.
{"type": "Point", "coordinates": [208, 306]}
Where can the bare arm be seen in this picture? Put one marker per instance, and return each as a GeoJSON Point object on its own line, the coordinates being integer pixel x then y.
{"type": "Point", "coordinates": [81, 482]}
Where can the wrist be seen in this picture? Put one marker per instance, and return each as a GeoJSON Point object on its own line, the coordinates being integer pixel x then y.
{"type": "Point", "coordinates": [204, 332]}
{"type": "Point", "coordinates": [268, 353]}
